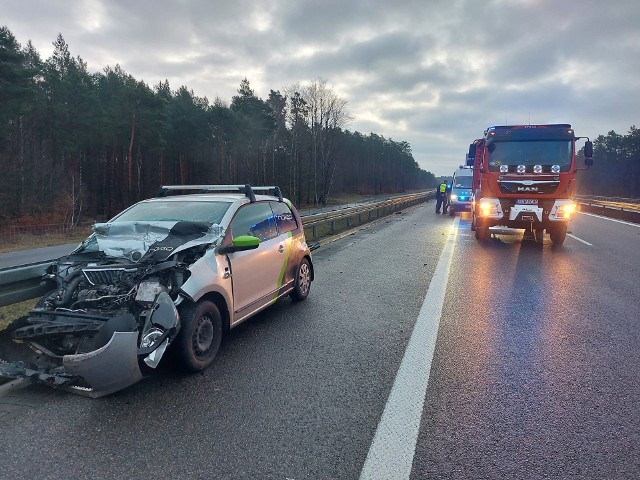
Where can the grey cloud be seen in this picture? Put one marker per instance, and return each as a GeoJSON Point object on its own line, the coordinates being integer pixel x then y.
{"type": "Point", "coordinates": [433, 73]}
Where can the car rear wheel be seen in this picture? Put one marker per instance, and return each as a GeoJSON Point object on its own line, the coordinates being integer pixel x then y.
{"type": "Point", "coordinates": [200, 335]}
{"type": "Point", "coordinates": [302, 283]}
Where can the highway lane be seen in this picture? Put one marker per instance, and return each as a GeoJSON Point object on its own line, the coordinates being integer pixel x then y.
{"type": "Point", "coordinates": [34, 255]}
{"type": "Point", "coordinates": [535, 372]}
{"type": "Point", "coordinates": [295, 393]}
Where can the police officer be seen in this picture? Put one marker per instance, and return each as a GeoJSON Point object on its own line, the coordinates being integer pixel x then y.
{"type": "Point", "coordinates": [441, 195]}
{"type": "Point", "coordinates": [447, 198]}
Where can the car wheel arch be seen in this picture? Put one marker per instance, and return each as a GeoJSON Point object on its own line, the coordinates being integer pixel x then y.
{"type": "Point", "coordinates": [221, 303]}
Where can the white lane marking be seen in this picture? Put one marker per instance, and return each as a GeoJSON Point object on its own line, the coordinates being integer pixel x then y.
{"type": "Point", "coordinates": [579, 239]}
{"type": "Point", "coordinates": [611, 219]}
{"type": "Point", "coordinates": [394, 443]}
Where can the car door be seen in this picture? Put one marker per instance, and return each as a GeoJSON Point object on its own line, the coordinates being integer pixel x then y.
{"type": "Point", "coordinates": [255, 273]}
{"type": "Point", "coordinates": [286, 224]}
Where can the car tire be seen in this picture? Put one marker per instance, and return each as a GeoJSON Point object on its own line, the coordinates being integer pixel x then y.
{"type": "Point", "coordinates": [200, 335]}
{"type": "Point", "coordinates": [452, 212]}
{"type": "Point", "coordinates": [302, 283]}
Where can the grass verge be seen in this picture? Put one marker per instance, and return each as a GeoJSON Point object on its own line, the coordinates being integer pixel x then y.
{"type": "Point", "coordinates": [11, 312]}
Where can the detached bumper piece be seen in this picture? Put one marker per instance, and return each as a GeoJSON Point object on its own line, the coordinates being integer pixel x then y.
{"type": "Point", "coordinates": [108, 369]}
{"type": "Point", "coordinates": [94, 374]}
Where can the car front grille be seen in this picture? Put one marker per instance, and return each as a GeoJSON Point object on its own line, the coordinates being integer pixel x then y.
{"type": "Point", "coordinates": [106, 276]}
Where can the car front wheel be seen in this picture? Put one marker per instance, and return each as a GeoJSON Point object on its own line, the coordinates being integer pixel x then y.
{"type": "Point", "coordinates": [198, 341]}
{"type": "Point", "coordinates": [302, 283]}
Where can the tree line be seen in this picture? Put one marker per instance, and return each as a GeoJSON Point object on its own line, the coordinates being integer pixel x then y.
{"type": "Point", "coordinates": [616, 166]}
{"type": "Point", "coordinates": [75, 143]}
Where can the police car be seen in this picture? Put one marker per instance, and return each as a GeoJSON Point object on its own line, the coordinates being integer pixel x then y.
{"type": "Point", "coordinates": [461, 191]}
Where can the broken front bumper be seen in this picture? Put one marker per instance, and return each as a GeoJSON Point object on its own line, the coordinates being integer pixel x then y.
{"type": "Point", "coordinates": [94, 374]}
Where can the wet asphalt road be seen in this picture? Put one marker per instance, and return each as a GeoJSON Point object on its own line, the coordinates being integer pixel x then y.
{"type": "Point", "coordinates": [535, 374]}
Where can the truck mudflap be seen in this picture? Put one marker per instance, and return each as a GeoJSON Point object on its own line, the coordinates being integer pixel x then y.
{"type": "Point", "coordinates": [93, 374]}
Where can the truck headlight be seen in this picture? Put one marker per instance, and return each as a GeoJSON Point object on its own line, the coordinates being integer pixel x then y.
{"type": "Point", "coordinates": [488, 209]}
{"type": "Point", "coordinates": [564, 210]}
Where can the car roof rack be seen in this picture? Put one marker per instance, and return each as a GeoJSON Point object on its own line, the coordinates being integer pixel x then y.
{"type": "Point", "coordinates": [247, 189]}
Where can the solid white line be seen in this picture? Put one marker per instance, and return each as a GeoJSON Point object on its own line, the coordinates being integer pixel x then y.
{"type": "Point", "coordinates": [579, 239]}
{"type": "Point", "coordinates": [391, 453]}
{"type": "Point", "coordinates": [611, 219]}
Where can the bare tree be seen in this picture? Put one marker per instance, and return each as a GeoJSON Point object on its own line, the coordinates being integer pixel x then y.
{"type": "Point", "coordinates": [326, 116]}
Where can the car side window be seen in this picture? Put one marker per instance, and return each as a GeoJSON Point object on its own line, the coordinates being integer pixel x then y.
{"type": "Point", "coordinates": [254, 219]}
{"type": "Point", "coordinates": [285, 220]}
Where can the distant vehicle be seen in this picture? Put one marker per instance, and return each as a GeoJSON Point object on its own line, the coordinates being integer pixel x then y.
{"type": "Point", "coordinates": [461, 193]}
{"type": "Point", "coordinates": [524, 177]}
{"type": "Point", "coordinates": [168, 273]}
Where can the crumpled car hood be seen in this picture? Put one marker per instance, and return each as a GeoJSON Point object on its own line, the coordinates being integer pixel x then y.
{"type": "Point", "coordinates": [143, 240]}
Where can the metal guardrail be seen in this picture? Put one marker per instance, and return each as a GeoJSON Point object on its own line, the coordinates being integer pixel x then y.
{"type": "Point", "coordinates": [24, 282]}
{"type": "Point", "coordinates": [620, 208]}
{"type": "Point", "coordinates": [607, 199]}
{"type": "Point", "coordinates": [21, 283]}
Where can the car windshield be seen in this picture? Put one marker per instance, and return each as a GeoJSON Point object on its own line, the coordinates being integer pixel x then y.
{"type": "Point", "coordinates": [171, 210]}
{"type": "Point", "coordinates": [463, 182]}
{"type": "Point", "coordinates": [544, 152]}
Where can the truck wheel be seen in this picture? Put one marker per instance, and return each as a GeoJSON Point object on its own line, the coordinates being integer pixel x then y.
{"type": "Point", "coordinates": [558, 233]}
{"type": "Point", "coordinates": [539, 234]}
{"type": "Point", "coordinates": [198, 340]}
{"type": "Point", "coordinates": [482, 233]}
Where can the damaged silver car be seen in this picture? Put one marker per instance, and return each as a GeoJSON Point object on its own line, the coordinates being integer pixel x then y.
{"type": "Point", "coordinates": [167, 277]}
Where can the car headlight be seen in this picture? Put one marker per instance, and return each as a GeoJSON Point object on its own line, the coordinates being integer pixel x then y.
{"type": "Point", "coordinates": [151, 337]}
{"type": "Point", "coordinates": [454, 196]}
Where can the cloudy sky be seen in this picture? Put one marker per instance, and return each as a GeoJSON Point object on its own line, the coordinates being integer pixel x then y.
{"type": "Point", "coordinates": [430, 72]}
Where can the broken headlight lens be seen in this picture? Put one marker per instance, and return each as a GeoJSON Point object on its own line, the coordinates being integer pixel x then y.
{"type": "Point", "coordinates": [150, 337]}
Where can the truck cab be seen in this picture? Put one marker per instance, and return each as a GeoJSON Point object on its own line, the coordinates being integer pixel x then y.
{"type": "Point", "coordinates": [524, 177]}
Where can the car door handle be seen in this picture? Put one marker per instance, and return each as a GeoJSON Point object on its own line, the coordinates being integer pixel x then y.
{"type": "Point", "coordinates": [281, 249]}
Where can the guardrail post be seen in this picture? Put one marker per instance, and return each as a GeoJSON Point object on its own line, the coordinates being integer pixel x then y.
{"type": "Point", "coordinates": [333, 226]}
{"type": "Point", "coordinates": [314, 230]}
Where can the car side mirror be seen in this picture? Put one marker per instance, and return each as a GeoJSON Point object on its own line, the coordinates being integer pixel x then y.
{"type": "Point", "coordinates": [241, 243]}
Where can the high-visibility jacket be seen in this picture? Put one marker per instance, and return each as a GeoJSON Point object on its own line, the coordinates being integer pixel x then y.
{"type": "Point", "coordinates": [443, 187]}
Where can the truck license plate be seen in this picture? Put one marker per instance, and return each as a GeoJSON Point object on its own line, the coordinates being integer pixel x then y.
{"type": "Point", "coordinates": [527, 201]}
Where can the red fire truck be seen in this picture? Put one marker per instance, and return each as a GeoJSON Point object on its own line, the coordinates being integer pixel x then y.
{"type": "Point", "coordinates": [524, 177]}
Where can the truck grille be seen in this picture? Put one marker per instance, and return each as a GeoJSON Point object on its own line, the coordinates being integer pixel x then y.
{"type": "Point", "coordinates": [527, 188]}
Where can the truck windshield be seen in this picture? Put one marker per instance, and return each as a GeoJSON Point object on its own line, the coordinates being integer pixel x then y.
{"type": "Point", "coordinates": [541, 152]}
